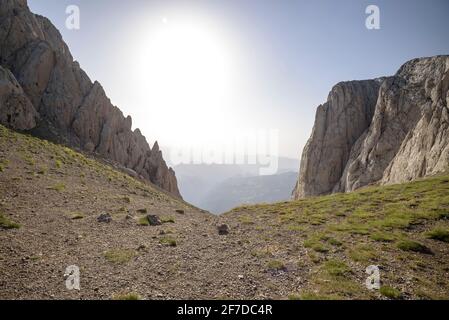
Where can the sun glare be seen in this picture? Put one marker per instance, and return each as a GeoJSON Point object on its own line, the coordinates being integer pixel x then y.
{"type": "Point", "coordinates": [186, 72]}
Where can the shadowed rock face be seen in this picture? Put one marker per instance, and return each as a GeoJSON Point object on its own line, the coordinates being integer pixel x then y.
{"type": "Point", "coordinates": [388, 130]}
{"type": "Point", "coordinates": [16, 110]}
{"type": "Point", "coordinates": [55, 99]}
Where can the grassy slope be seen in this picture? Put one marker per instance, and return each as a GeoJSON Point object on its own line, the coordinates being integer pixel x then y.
{"type": "Point", "coordinates": [404, 229]}
{"type": "Point", "coordinates": [51, 196]}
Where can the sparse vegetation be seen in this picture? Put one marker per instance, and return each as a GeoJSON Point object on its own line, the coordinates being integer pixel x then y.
{"type": "Point", "coordinates": [57, 187]}
{"type": "Point", "coordinates": [408, 245]}
{"type": "Point", "coordinates": [316, 245]}
{"type": "Point", "coordinates": [315, 248]}
{"type": "Point", "coordinates": [119, 256]}
{"type": "Point", "coordinates": [246, 220]}
{"type": "Point", "coordinates": [58, 163]}
{"type": "Point", "coordinates": [6, 223]}
{"type": "Point", "coordinates": [29, 159]}
{"type": "Point", "coordinates": [143, 221]}
{"type": "Point", "coordinates": [335, 268]}
{"type": "Point", "coordinates": [77, 216]}
{"type": "Point", "coordinates": [167, 219]}
{"type": "Point", "coordinates": [168, 241]}
{"type": "Point", "coordinates": [382, 237]}
{"type": "Point", "coordinates": [362, 253]}
{"type": "Point", "coordinates": [439, 234]}
{"type": "Point", "coordinates": [275, 265]}
{"type": "Point", "coordinates": [390, 292]}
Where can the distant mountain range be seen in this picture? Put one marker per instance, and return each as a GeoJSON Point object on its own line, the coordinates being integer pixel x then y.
{"type": "Point", "coordinates": [237, 191]}
{"type": "Point", "coordinates": [209, 186]}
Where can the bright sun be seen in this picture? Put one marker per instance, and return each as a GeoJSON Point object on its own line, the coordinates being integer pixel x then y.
{"type": "Point", "coordinates": [186, 72]}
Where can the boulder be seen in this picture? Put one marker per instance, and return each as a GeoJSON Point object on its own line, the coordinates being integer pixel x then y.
{"type": "Point", "coordinates": [104, 218]}
{"type": "Point", "coordinates": [154, 220]}
{"type": "Point", "coordinates": [223, 229]}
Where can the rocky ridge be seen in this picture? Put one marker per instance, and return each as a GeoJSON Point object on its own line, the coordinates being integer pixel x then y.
{"type": "Point", "coordinates": [387, 130]}
{"type": "Point", "coordinates": [45, 92]}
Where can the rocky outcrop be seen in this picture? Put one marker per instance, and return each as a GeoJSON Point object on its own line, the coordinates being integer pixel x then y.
{"type": "Point", "coordinates": [338, 125]}
{"type": "Point", "coordinates": [16, 110]}
{"type": "Point", "coordinates": [68, 107]}
{"type": "Point", "coordinates": [385, 131]}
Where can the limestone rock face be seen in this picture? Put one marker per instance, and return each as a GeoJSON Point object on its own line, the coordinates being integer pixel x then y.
{"type": "Point", "coordinates": [339, 123]}
{"type": "Point", "coordinates": [406, 134]}
{"type": "Point", "coordinates": [71, 109]}
{"type": "Point", "coordinates": [16, 111]}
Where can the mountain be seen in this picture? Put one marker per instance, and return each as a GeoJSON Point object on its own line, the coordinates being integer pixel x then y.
{"type": "Point", "coordinates": [238, 191]}
{"type": "Point", "coordinates": [387, 130]}
{"type": "Point", "coordinates": [196, 181]}
{"type": "Point", "coordinates": [43, 91]}
{"type": "Point", "coordinates": [60, 208]}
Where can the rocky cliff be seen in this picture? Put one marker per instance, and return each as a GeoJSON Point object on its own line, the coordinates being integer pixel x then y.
{"type": "Point", "coordinates": [44, 91]}
{"type": "Point", "coordinates": [387, 130]}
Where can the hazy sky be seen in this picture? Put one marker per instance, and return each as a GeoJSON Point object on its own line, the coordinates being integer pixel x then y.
{"type": "Point", "coordinates": [194, 71]}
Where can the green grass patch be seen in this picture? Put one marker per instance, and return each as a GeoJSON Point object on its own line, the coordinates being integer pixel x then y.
{"type": "Point", "coordinates": [57, 187]}
{"type": "Point", "coordinates": [382, 237]}
{"type": "Point", "coordinates": [335, 242]}
{"type": "Point", "coordinates": [6, 223]}
{"type": "Point", "coordinates": [167, 219]}
{"type": "Point", "coordinates": [316, 246]}
{"type": "Point", "coordinates": [439, 234]}
{"type": "Point", "coordinates": [390, 292]}
{"type": "Point", "coordinates": [275, 265]}
{"type": "Point", "coordinates": [119, 256]}
{"type": "Point", "coordinates": [58, 163]}
{"type": "Point", "coordinates": [362, 253]}
{"type": "Point", "coordinates": [143, 221]}
{"type": "Point", "coordinates": [335, 268]}
{"type": "Point", "coordinates": [408, 245]}
{"type": "Point", "coordinates": [246, 220]}
{"type": "Point", "coordinates": [168, 241]}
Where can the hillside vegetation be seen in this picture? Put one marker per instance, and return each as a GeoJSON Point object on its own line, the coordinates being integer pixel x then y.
{"type": "Point", "coordinates": [319, 248]}
{"type": "Point", "coordinates": [403, 229]}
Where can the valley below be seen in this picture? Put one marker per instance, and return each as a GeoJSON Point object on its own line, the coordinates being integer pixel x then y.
{"type": "Point", "coordinates": [60, 208]}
